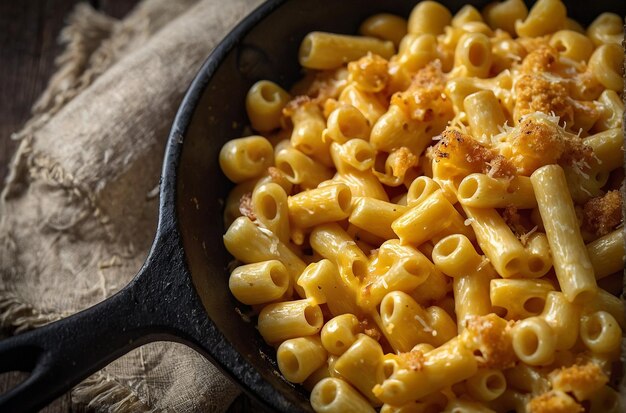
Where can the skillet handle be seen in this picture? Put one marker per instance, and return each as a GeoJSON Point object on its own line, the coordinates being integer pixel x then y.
{"type": "Point", "coordinates": [61, 354]}
{"type": "Point", "coordinates": [154, 306]}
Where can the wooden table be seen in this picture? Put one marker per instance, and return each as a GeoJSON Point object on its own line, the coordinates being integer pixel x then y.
{"type": "Point", "coordinates": [29, 32]}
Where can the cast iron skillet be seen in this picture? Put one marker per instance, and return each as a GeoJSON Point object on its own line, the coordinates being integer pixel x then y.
{"type": "Point", "coordinates": [181, 292]}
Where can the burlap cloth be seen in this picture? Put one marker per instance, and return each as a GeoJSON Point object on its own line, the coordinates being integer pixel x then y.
{"type": "Point", "coordinates": [79, 209]}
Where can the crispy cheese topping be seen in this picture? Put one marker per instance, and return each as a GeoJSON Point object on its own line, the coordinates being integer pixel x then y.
{"type": "Point", "coordinates": [585, 379]}
{"type": "Point", "coordinates": [369, 72]}
{"type": "Point", "coordinates": [471, 156]}
{"type": "Point", "coordinates": [322, 85]}
{"type": "Point", "coordinates": [603, 213]}
{"type": "Point", "coordinates": [400, 161]}
{"type": "Point", "coordinates": [538, 140]}
{"type": "Point", "coordinates": [298, 102]}
{"type": "Point", "coordinates": [245, 206]}
{"type": "Point", "coordinates": [490, 337]}
{"type": "Point", "coordinates": [425, 99]}
{"type": "Point", "coordinates": [554, 401]}
{"type": "Point", "coordinates": [535, 93]}
{"type": "Point", "coordinates": [413, 360]}
{"type": "Point", "coordinates": [520, 225]}
{"type": "Point", "coordinates": [370, 329]}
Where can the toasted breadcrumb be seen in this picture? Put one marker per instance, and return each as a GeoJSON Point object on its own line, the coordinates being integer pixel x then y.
{"type": "Point", "coordinates": [400, 161]}
{"type": "Point", "coordinates": [542, 58]}
{"type": "Point", "coordinates": [425, 99]}
{"type": "Point", "coordinates": [521, 226]}
{"type": "Point", "coordinates": [535, 93]}
{"type": "Point", "coordinates": [550, 85]}
{"type": "Point", "coordinates": [277, 176]}
{"type": "Point", "coordinates": [538, 140]}
{"type": "Point", "coordinates": [603, 213]}
{"type": "Point", "coordinates": [369, 72]}
{"type": "Point", "coordinates": [369, 329]}
{"type": "Point", "coordinates": [490, 337]}
{"type": "Point", "coordinates": [323, 85]}
{"type": "Point", "coordinates": [554, 401]}
{"type": "Point", "coordinates": [245, 206]}
{"type": "Point", "coordinates": [470, 156]}
{"type": "Point", "coordinates": [413, 360]}
{"type": "Point", "coordinates": [297, 102]}
{"type": "Point", "coordinates": [513, 219]}
{"type": "Point", "coordinates": [580, 379]}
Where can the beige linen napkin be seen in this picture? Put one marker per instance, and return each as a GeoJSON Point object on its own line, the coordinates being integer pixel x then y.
{"type": "Point", "coordinates": [79, 209]}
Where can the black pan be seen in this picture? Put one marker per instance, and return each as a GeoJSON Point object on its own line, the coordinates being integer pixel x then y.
{"type": "Point", "coordinates": [181, 293]}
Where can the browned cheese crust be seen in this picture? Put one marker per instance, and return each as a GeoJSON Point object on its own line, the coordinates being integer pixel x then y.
{"type": "Point", "coordinates": [536, 143]}
{"type": "Point", "coordinates": [464, 151]}
{"type": "Point", "coordinates": [425, 99]}
{"type": "Point", "coordinates": [370, 72]}
{"type": "Point", "coordinates": [603, 213]}
{"type": "Point", "coordinates": [490, 337]}
{"type": "Point", "coordinates": [413, 360]}
{"type": "Point", "coordinates": [585, 377]}
{"type": "Point", "coordinates": [554, 402]}
{"type": "Point", "coordinates": [245, 206]}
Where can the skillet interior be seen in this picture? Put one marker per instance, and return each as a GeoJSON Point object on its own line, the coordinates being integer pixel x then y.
{"type": "Point", "coordinates": [267, 51]}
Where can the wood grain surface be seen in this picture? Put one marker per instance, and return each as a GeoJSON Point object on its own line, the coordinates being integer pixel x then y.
{"type": "Point", "coordinates": [29, 32]}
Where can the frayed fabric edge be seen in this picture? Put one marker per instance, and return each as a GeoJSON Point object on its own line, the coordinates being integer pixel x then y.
{"type": "Point", "coordinates": [16, 316]}
{"type": "Point", "coordinates": [86, 31]}
{"type": "Point", "coordinates": [100, 390]}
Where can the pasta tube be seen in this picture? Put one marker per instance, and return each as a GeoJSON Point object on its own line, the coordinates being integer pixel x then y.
{"type": "Point", "coordinates": [260, 282]}
{"type": "Point", "coordinates": [246, 158]}
{"type": "Point", "coordinates": [290, 319]}
{"type": "Point", "coordinates": [299, 357]}
{"type": "Point", "coordinates": [455, 256]}
{"type": "Point", "coordinates": [321, 50]}
{"type": "Point", "coordinates": [571, 259]}
{"type": "Point", "coordinates": [376, 216]}
{"type": "Point", "coordinates": [421, 222]}
{"type": "Point", "coordinates": [317, 206]}
{"type": "Point", "coordinates": [482, 191]}
{"type": "Point", "coordinates": [335, 395]}
{"type": "Point", "coordinates": [339, 333]}
{"type": "Point", "coordinates": [322, 284]}
{"type": "Point", "coordinates": [264, 105]}
{"type": "Point", "coordinates": [332, 242]}
{"type": "Point", "coordinates": [249, 243]}
{"type": "Point", "coordinates": [359, 366]}
{"type": "Point", "coordinates": [443, 366]}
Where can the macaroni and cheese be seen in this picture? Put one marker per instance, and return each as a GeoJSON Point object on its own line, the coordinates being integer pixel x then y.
{"type": "Point", "coordinates": [426, 222]}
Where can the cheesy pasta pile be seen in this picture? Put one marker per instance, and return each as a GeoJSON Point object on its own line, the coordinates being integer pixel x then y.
{"type": "Point", "coordinates": [423, 220]}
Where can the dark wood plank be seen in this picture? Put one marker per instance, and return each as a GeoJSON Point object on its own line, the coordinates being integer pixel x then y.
{"type": "Point", "coordinates": [115, 8]}
{"type": "Point", "coordinates": [28, 46]}
{"type": "Point", "coordinates": [29, 31]}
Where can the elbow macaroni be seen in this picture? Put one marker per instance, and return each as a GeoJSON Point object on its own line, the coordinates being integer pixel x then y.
{"type": "Point", "coordinates": [421, 240]}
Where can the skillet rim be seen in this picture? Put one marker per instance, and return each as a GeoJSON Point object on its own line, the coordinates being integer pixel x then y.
{"type": "Point", "coordinates": [226, 357]}
{"type": "Point", "coordinates": [255, 385]}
